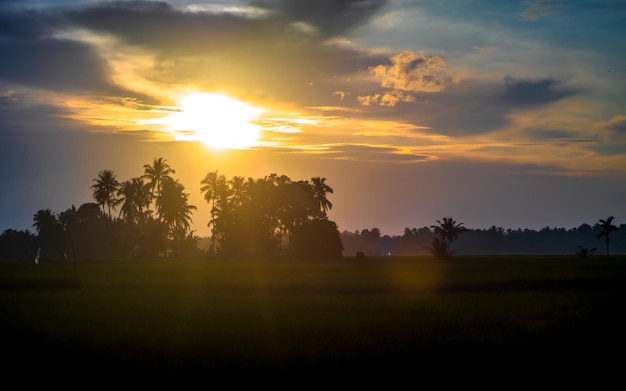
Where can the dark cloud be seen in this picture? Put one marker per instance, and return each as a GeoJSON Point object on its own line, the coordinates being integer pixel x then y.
{"type": "Point", "coordinates": [26, 24]}
{"type": "Point", "coordinates": [330, 17]}
{"type": "Point", "coordinates": [161, 27]}
{"type": "Point", "coordinates": [32, 56]}
{"type": "Point", "coordinates": [528, 92]}
{"type": "Point", "coordinates": [618, 124]}
{"type": "Point", "coordinates": [54, 64]}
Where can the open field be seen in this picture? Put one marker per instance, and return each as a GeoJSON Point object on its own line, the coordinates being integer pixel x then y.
{"type": "Point", "coordinates": [386, 314]}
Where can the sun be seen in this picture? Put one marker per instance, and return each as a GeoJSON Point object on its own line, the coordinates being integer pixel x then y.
{"type": "Point", "coordinates": [217, 120]}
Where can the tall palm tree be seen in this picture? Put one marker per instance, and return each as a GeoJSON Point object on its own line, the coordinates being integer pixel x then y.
{"type": "Point", "coordinates": [238, 190]}
{"type": "Point", "coordinates": [607, 226]}
{"type": "Point", "coordinates": [448, 230]}
{"type": "Point", "coordinates": [135, 197]}
{"type": "Point", "coordinates": [105, 190]}
{"type": "Point", "coordinates": [173, 207]}
{"type": "Point", "coordinates": [156, 174]}
{"type": "Point", "coordinates": [213, 188]}
{"type": "Point", "coordinates": [320, 189]}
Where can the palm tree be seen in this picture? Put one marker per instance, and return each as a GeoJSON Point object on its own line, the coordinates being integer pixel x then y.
{"type": "Point", "coordinates": [49, 233]}
{"type": "Point", "coordinates": [105, 189]}
{"type": "Point", "coordinates": [320, 189]}
{"type": "Point", "coordinates": [156, 174]}
{"type": "Point", "coordinates": [44, 219]}
{"type": "Point", "coordinates": [214, 186]}
{"type": "Point", "coordinates": [135, 197]}
{"type": "Point", "coordinates": [607, 226]}
{"type": "Point", "coordinates": [238, 190]}
{"type": "Point", "coordinates": [173, 207]}
{"type": "Point", "coordinates": [448, 230]}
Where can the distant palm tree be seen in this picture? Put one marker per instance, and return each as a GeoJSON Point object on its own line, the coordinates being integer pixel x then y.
{"type": "Point", "coordinates": [607, 227]}
{"type": "Point", "coordinates": [156, 174]}
{"type": "Point", "coordinates": [320, 189]}
{"type": "Point", "coordinates": [448, 230]}
{"type": "Point", "coordinates": [105, 189]}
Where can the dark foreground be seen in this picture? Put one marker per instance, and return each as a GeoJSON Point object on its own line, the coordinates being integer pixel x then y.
{"type": "Point", "coordinates": [471, 320]}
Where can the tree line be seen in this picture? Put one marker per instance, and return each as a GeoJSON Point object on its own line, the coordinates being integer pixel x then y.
{"type": "Point", "coordinates": [584, 240]}
{"type": "Point", "coordinates": [150, 216]}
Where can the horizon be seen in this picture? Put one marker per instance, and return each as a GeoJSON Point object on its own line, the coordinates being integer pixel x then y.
{"type": "Point", "coordinates": [510, 114]}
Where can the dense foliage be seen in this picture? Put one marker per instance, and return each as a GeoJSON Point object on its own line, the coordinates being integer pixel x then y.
{"type": "Point", "coordinates": [268, 216]}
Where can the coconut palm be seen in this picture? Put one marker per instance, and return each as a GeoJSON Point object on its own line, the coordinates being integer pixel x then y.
{"type": "Point", "coordinates": [238, 190]}
{"type": "Point", "coordinates": [44, 219]}
{"type": "Point", "coordinates": [105, 189]}
{"type": "Point", "coordinates": [214, 189]}
{"type": "Point", "coordinates": [135, 197]}
{"type": "Point", "coordinates": [156, 174]}
{"type": "Point", "coordinates": [49, 233]}
{"type": "Point", "coordinates": [448, 230]}
{"type": "Point", "coordinates": [173, 207]}
{"type": "Point", "coordinates": [606, 226]}
{"type": "Point", "coordinates": [320, 189]}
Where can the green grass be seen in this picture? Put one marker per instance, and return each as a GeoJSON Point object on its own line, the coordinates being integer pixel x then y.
{"type": "Point", "coordinates": [176, 316]}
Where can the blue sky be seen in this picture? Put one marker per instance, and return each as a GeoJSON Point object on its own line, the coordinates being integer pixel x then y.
{"type": "Point", "coordinates": [508, 113]}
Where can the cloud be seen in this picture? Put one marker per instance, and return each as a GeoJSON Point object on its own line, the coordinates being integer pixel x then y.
{"type": "Point", "coordinates": [616, 124]}
{"type": "Point", "coordinates": [539, 8]}
{"type": "Point", "coordinates": [330, 17]}
{"type": "Point", "coordinates": [55, 64]}
{"type": "Point", "coordinates": [487, 49]}
{"type": "Point", "coordinates": [527, 92]}
{"type": "Point", "coordinates": [412, 72]}
{"type": "Point", "coordinates": [406, 74]}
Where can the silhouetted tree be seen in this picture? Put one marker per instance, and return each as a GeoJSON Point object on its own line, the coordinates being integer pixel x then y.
{"type": "Point", "coordinates": [135, 198]}
{"type": "Point", "coordinates": [585, 253]}
{"type": "Point", "coordinates": [174, 210]}
{"type": "Point", "coordinates": [607, 227]}
{"type": "Point", "coordinates": [16, 244]}
{"type": "Point", "coordinates": [49, 233]}
{"type": "Point", "coordinates": [317, 239]}
{"type": "Point", "coordinates": [105, 190]}
{"type": "Point", "coordinates": [448, 230]}
{"type": "Point", "coordinates": [440, 249]}
{"type": "Point", "coordinates": [156, 174]}
{"type": "Point", "coordinates": [214, 189]}
{"type": "Point", "coordinates": [320, 189]}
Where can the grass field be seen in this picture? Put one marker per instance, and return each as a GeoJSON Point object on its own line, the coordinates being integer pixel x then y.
{"type": "Point", "coordinates": [384, 315]}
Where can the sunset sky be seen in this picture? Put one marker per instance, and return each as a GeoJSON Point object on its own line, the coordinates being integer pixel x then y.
{"type": "Point", "coordinates": [506, 113]}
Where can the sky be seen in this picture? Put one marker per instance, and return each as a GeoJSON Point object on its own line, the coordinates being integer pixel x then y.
{"type": "Point", "coordinates": [506, 113]}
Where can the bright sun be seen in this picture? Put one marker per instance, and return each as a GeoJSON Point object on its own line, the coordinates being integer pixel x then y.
{"type": "Point", "coordinates": [217, 120]}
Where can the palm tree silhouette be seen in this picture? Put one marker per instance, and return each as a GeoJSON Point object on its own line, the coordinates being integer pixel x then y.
{"type": "Point", "coordinates": [174, 209]}
{"type": "Point", "coordinates": [156, 174]}
{"type": "Point", "coordinates": [320, 189]}
{"type": "Point", "coordinates": [448, 230]}
{"type": "Point", "coordinates": [135, 197]}
{"type": "Point", "coordinates": [105, 189]}
{"type": "Point", "coordinates": [44, 219]}
{"type": "Point", "coordinates": [214, 188]}
{"type": "Point", "coordinates": [607, 227]}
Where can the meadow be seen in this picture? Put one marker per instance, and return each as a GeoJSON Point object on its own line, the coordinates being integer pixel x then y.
{"type": "Point", "coordinates": [374, 315]}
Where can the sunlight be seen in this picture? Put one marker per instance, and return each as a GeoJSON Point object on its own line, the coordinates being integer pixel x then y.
{"type": "Point", "coordinates": [219, 121]}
